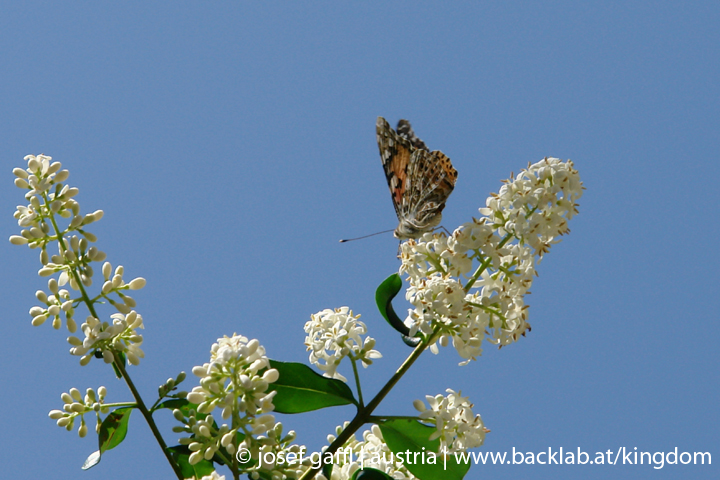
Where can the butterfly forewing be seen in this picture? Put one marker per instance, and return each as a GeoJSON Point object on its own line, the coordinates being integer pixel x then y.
{"type": "Point", "coordinates": [420, 181]}
{"type": "Point", "coordinates": [405, 130]}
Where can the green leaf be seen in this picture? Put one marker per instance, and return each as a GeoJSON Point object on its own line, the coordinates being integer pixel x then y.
{"type": "Point", "coordinates": [112, 432]}
{"type": "Point", "coordinates": [174, 403]}
{"type": "Point", "coordinates": [384, 294]}
{"type": "Point", "coordinates": [114, 428]}
{"type": "Point", "coordinates": [383, 297]}
{"type": "Point", "coordinates": [403, 435]}
{"type": "Point", "coordinates": [300, 389]}
{"type": "Point", "coordinates": [371, 474]}
{"type": "Point", "coordinates": [327, 470]}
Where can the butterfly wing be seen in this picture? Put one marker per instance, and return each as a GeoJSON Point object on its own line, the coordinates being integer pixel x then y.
{"type": "Point", "coordinates": [420, 181]}
{"type": "Point", "coordinates": [404, 129]}
{"type": "Point", "coordinates": [432, 180]}
{"type": "Point", "coordinates": [395, 153]}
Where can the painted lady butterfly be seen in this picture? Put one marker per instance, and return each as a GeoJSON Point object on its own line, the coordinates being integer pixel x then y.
{"type": "Point", "coordinates": [420, 181]}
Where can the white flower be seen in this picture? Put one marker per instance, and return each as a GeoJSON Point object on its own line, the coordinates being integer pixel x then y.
{"type": "Point", "coordinates": [431, 254]}
{"type": "Point", "coordinates": [376, 454]}
{"type": "Point", "coordinates": [537, 204]}
{"type": "Point", "coordinates": [77, 406]}
{"type": "Point", "coordinates": [456, 426]}
{"type": "Point", "coordinates": [232, 380]}
{"type": "Point", "coordinates": [48, 198]}
{"type": "Point", "coordinates": [438, 301]}
{"type": "Point", "coordinates": [335, 334]}
{"type": "Point", "coordinates": [40, 173]}
{"type": "Point", "coordinates": [371, 452]}
{"type": "Point", "coordinates": [27, 216]}
{"type": "Point", "coordinates": [472, 284]}
{"type": "Point", "coordinates": [118, 337]}
{"type": "Point", "coordinates": [236, 380]}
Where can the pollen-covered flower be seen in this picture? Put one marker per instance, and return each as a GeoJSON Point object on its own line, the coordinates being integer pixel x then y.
{"type": "Point", "coordinates": [457, 427]}
{"type": "Point", "coordinates": [335, 334]}
{"type": "Point", "coordinates": [471, 285]}
{"type": "Point", "coordinates": [27, 216]}
{"type": "Point", "coordinates": [432, 254]}
{"type": "Point", "coordinates": [438, 300]}
{"type": "Point", "coordinates": [537, 204]}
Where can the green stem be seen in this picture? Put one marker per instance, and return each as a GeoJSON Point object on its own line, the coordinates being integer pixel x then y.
{"type": "Point", "coordinates": [365, 413]}
{"type": "Point", "coordinates": [120, 365]}
{"type": "Point", "coordinates": [73, 271]}
{"type": "Point", "coordinates": [484, 264]}
{"type": "Point", "coordinates": [356, 374]}
{"type": "Point", "coordinates": [118, 362]}
{"type": "Point", "coordinates": [481, 268]}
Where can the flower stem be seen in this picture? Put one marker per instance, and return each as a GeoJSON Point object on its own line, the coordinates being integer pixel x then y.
{"type": "Point", "coordinates": [118, 362]}
{"type": "Point", "coordinates": [357, 381]}
{"type": "Point", "coordinates": [364, 413]}
{"type": "Point", "coordinates": [484, 264]}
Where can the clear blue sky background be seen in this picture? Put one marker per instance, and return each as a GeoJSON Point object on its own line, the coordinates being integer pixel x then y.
{"type": "Point", "coordinates": [231, 144]}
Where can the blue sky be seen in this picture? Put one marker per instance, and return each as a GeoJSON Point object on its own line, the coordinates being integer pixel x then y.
{"type": "Point", "coordinates": [231, 144]}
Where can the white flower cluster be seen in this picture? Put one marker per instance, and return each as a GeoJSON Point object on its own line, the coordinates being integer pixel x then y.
{"type": "Point", "coordinates": [233, 381]}
{"type": "Point", "coordinates": [278, 457]}
{"type": "Point", "coordinates": [110, 339]}
{"type": "Point", "coordinates": [335, 334]}
{"type": "Point", "coordinates": [371, 452]}
{"type": "Point", "coordinates": [50, 199]}
{"type": "Point", "coordinates": [38, 179]}
{"type": "Point", "coordinates": [457, 427]}
{"type": "Point", "coordinates": [77, 406]}
{"type": "Point", "coordinates": [59, 301]}
{"type": "Point", "coordinates": [470, 286]}
{"type": "Point", "coordinates": [537, 204]}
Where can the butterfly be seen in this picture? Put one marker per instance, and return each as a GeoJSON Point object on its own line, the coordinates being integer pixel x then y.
{"type": "Point", "coordinates": [420, 181]}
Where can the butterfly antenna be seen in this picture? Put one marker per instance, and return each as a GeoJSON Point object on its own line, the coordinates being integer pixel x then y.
{"type": "Point", "coordinates": [364, 236]}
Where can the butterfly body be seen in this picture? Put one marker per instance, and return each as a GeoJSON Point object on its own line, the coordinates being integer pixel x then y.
{"type": "Point", "coordinates": [420, 181]}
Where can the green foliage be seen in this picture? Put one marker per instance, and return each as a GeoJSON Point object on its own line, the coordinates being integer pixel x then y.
{"type": "Point", "coordinates": [177, 403]}
{"type": "Point", "coordinates": [112, 432]}
{"type": "Point", "coordinates": [402, 436]}
{"type": "Point", "coordinates": [300, 389]}
{"type": "Point", "coordinates": [384, 295]}
{"type": "Point", "coordinates": [371, 474]}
